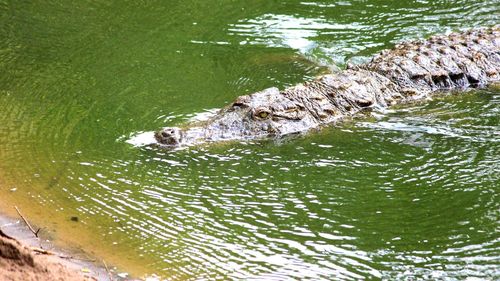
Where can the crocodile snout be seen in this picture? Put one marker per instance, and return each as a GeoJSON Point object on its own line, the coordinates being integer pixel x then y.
{"type": "Point", "coordinates": [168, 136]}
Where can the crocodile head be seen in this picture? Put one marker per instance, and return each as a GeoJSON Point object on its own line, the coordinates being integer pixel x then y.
{"type": "Point", "coordinates": [261, 114]}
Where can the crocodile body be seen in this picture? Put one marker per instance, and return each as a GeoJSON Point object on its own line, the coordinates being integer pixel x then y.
{"type": "Point", "coordinates": [410, 71]}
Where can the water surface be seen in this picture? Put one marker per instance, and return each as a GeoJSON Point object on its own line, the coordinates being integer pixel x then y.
{"type": "Point", "coordinates": [413, 192]}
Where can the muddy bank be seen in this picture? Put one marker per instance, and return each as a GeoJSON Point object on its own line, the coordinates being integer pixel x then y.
{"type": "Point", "coordinates": [26, 257]}
{"type": "Point", "coordinates": [18, 262]}
{"type": "Point", "coordinates": [65, 232]}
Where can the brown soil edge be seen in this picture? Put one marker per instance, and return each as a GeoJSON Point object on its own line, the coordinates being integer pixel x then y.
{"type": "Point", "coordinates": [19, 260]}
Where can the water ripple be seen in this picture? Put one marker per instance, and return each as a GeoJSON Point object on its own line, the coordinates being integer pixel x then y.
{"type": "Point", "coordinates": [412, 193]}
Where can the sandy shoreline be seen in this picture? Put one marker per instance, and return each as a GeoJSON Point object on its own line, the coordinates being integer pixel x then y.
{"type": "Point", "coordinates": [75, 241]}
{"type": "Point", "coordinates": [19, 260]}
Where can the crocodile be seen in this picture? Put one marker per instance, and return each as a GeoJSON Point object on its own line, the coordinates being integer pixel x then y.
{"type": "Point", "coordinates": [408, 72]}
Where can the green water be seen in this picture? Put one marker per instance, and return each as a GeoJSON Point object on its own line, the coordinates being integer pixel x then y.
{"type": "Point", "coordinates": [412, 193]}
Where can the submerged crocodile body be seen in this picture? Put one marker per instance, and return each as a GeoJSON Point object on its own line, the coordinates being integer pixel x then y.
{"type": "Point", "coordinates": [410, 71]}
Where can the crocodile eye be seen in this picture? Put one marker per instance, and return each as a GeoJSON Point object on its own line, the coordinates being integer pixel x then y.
{"type": "Point", "coordinates": [262, 113]}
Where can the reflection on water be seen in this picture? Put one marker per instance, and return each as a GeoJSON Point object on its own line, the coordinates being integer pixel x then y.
{"type": "Point", "coordinates": [288, 31]}
{"type": "Point", "coordinates": [412, 193]}
{"type": "Point", "coordinates": [359, 27]}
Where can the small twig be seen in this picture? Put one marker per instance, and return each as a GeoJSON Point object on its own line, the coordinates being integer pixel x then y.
{"type": "Point", "coordinates": [107, 270]}
{"type": "Point", "coordinates": [27, 223]}
{"type": "Point", "coordinates": [81, 259]}
{"type": "Point", "coordinates": [43, 251]}
{"type": "Point", "coordinates": [50, 253]}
